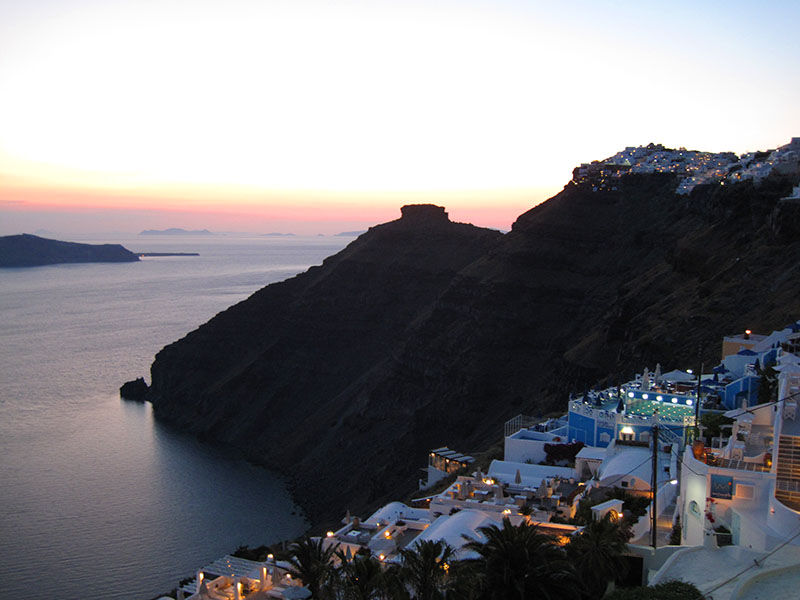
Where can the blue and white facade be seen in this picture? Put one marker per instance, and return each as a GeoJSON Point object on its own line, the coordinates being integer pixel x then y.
{"type": "Point", "coordinates": [599, 425]}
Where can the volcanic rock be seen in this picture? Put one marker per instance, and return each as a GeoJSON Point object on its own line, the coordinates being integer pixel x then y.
{"type": "Point", "coordinates": [423, 332]}
{"type": "Point", "coordinates": [134, 390]}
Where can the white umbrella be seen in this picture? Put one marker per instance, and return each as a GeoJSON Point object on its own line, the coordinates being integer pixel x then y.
{"type": "Point", "coordinates": [462, 492]}
{"type": "Point", "coordinates": [498, 491]}
{"type": "Point", "coordinates": [678, 376]}
{"type": "Point", "coordinates": [297, 592]}
{"type": "Point", "coordinates": [275, 577]}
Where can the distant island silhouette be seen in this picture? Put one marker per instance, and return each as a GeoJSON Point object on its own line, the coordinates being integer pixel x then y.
{"type": "Point", "coordinates": [176, 231]}
{"type": "Point", "coordinates": [26, 250]}
{"type": "Point", "coordinates": [160, 254]}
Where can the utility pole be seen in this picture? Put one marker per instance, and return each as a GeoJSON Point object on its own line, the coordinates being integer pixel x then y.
{"type": "Point", "coordinates": [697, 397]}
{"type": "Point", "coordinates": [654, 485]}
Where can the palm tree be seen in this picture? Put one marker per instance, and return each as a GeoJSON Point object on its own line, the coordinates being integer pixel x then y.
{"type": "Point", "coordinates": [520, 562]}
{"type": "Point", "coordinates": [425, 568]}
{"type": "Point", "coordinates": [363, 578]}
{"type": "Point", "coordinates": [597, 553]}
{"type": "Point", "coordinates": [464, 582]}
{"type": "Point", "coordinates": [312, 563]}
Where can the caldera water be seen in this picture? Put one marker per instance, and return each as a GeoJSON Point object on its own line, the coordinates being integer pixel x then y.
{"type": "Point", "coordinates": [97, 499]}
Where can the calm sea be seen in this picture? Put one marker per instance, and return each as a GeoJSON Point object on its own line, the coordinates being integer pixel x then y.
{"type": "Point", "coordinates": [97, 500]}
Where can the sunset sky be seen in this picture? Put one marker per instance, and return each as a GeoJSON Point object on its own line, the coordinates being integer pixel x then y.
{"type": "Point", "coordinates": [322, 116]}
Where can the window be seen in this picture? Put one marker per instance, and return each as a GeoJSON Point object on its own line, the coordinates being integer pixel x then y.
{"type": "Point", "coordinates": [744, 491]}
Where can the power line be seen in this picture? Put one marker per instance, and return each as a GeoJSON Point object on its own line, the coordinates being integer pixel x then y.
{"type": "Point", "coordinates": [756, 563]}
{"type": "Point", "coordinates": [649, 458]}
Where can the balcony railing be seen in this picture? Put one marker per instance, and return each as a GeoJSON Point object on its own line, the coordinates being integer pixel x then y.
{"type": "Point", "coordinates": [727, 463]}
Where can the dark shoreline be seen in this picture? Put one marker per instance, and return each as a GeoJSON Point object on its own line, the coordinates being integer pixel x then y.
{"type": "Point", "coordinates": [145, 254]}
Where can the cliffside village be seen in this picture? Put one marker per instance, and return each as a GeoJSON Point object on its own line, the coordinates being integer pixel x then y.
{"type": "Point", "coordinates": [693, 167]}
{"type": "Point", "coordinates": [721, 507]}
{"type": "Point", "coordinates": [704, 466]}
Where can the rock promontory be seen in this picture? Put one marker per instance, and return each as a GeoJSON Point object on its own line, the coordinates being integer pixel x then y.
{"type": "Point", "coordinates": [423, 332]}
{"type": "Point", "coordinates": [134, 390]}
{"type": "Point", "coordinates": [26, 250]}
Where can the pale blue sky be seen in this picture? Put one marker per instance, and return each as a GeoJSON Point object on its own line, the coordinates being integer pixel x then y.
{"type": "Point", "coordinates": [258, 105]}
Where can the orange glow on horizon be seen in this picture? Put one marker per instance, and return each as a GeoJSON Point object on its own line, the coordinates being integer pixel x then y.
{"type": "Point", "coordinates": [245, 114]}
{"type": "Point", "coordinates": [231, 204]}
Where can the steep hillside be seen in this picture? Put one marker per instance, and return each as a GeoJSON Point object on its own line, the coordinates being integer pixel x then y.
{"type": "Point", "coordinates": [424, 332]}
{"type": "Point", "coordinates": [273, 374]}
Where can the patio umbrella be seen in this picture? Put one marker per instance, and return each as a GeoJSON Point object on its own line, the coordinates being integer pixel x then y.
{"type": "Point", "coordinates": [518, 477]}
{"type": "Point", "coordinates": [296, 592]}
{"type": "Point", "coordinates": [498, 491]}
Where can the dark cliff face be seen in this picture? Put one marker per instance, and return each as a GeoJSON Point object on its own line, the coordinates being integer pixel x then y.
{"type": "Point", "coordinates": [423, 333]}
{"type": "Point", "coordinates": [27, 250]}
{"type": "Point", "coordinates": [274, 374]}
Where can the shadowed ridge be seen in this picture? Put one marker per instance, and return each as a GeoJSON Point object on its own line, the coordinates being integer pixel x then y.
{"type": "Point", "coordinates": [415, 336]}
{"type": "Point", "coordinates": [274, 373]}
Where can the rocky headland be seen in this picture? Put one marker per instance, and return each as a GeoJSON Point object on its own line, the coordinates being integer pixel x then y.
{"type": "Point", "coordinates": [26, 250]}
{"type": "Point", "coordinates": [134, 390]}
{"type": "Point", "coordinates": [423, 332]}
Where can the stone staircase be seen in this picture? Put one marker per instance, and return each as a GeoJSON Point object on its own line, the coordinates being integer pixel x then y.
{"type": "Point", "coordinates": [787, 485]}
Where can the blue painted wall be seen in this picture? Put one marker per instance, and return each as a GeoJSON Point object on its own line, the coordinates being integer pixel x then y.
{"type": "Point", "coordinates": [749, 385]}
